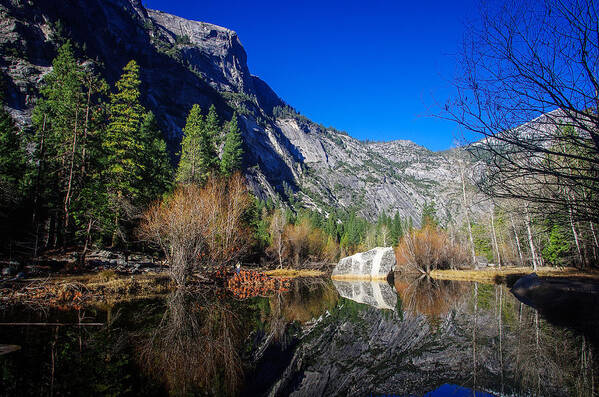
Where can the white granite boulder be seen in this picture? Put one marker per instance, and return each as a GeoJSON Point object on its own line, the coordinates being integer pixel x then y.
{"type": "Point", "coordinates": [375, 264]}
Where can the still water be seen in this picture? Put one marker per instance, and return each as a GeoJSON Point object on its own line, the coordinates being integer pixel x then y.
{"type": "Point", "coordinates": [416, 337]}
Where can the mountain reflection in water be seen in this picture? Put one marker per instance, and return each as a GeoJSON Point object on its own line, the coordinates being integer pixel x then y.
{"type": "Point", "coordinates": [416, 337]}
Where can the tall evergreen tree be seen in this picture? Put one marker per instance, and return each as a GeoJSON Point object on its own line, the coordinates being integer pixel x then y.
{"type": "Point", "coordinates": [396, 229]}
{"type": "Point", "coordinates": [156, 169]}
{"type": "Point", "coordinates": [189, 169]}
{"type": "Point", "coordinates": [59, 118]}
{"type": "Point", "coordinates": [429, 215]}
{"type": "Point", "coordinates": [232, 151]}
{"type": "Point", "coordinates": [212, 126]}
{"type": "Point", "coordinates": [209, 138]}
{"type": "Point", "coordinates": [198, 151]}
{"type": "Point", "coordinates": [12, 158]}
{"type": "Point", "coordinates": [90, 206]}
{"type": "Point", "coordinates": [330, 226]}
{"type": "Point", "coordinates": [353, 232]}
{"type": "Point", "coordinates": [122, 146]}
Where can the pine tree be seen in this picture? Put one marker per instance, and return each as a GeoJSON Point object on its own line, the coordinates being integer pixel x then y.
{"type": "Point", "coordinates": [396, 229]}
{"type": "Point", "coordinates": [156, 169]}
{"type": "Point", "coordinates": [59, 120]}
{"type": "Point", "coordinates": [353, 232]}
{"type": "Point", "coordinates": [189, 169]}
{"type": "Point", "coordinates": [429, 215]}
{"type": "Point", "coordinates": [212, 126]}
{"type": "Point", "coordinates": [90, 208]}
{"type": "Point", "coordinates": [12, 158]}
{"type": "Point", "coordinates": [209, 138]}
{"type": "Point", "coordinates": [122, 145]}
{"type": "Point", "coordinates": [232, 151]}
{"type": "Point", "coordinates": [330, 226]}
{"type": "Point", "coordinates": [558, 246]}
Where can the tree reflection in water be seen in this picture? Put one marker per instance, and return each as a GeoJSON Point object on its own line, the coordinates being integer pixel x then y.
{"type": "Point", "coordinates": [527, 353]}
{"type": "Point", "coordinates": [199, 344]}
{"type": "Point", "coordinates": [196, 346]}
{"type": "Point", "coordinates": [428, 296]}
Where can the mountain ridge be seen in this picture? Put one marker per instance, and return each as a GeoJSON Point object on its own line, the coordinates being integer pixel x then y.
{"type": "Point", "coordinates": [287, 156]}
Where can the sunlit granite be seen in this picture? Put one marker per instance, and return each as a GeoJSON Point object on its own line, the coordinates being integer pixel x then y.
{"type": "Point", "coordinates": [375, 264]}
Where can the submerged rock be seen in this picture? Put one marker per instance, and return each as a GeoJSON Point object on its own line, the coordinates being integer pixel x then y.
{"type": "Point", "coordinates": [563, 301]}
{"type": "Point", "coordinates": [375, 264]}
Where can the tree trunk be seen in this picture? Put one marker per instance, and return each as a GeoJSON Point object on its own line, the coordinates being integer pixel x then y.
{"type": "Point", "coordinates": [36, 198]}
{"type": "Point", "coordinates": [85, 128]}
{"type": "Point", "coordinates": [496, 246]}
{"type": "Point", "coordinates": [530, 240]}
{"type": "Point", "coordinates": [576, 237]}
{"type": "Point", "coordinates": [517, 240]}
{"type": "Point", "coordinates": [67, 198]}
{"type": "Point", "coordinates": [85, 247]}
{"type": "Point", "coordinates": [467, 215]}
{"type": "Point", "coordinates": [595, 245]}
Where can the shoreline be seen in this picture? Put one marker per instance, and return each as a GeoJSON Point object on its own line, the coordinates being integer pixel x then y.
{"type": "Point", "coordinates": [508, 273]}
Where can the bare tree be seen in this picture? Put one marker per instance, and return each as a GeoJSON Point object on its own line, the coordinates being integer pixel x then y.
{"type": "Point", "coordinates": [467, 211]}
{"type": "Point", "coordinates": [277, 228]}
{"type": "Point", "coordinates": [200, 226]}
{"type": "Point", "coordinates": [529, 87]}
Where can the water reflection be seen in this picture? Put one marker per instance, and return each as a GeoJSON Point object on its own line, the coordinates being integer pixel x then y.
{"type": "Point", "coordinates": [475, 336]}
{"type": "Point", "coordinates": [195, 346]}
{"type": "Point", "coordinates": [374, 293]}
{"type": "Point", "coordinates": [425, 295]}
{"type": "Point", "coordinates": [320, 338]}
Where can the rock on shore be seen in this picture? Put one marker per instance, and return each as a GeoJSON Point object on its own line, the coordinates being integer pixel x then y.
{"type": "Point", "coordinates": [375, 264]}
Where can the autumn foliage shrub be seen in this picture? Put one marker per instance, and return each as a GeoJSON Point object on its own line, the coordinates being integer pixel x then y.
{"type": "Point", "coordinates": [301, 242]}
{"type": "Point", "coordinates": [198, 226]}
{"type": "Point", "coordinates": [426, 249]}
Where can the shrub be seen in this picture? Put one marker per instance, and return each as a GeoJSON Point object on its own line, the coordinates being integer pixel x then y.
{"type": "Point", "coordinates": [200, 225]}
{"type": "Point", "coordinates": [306, 243]}
{"type": "Point", "coordinates": [426, 249]}
{"type": "Point", "coordinates": [296, 244]}
{"type": "Point", "coordinates": [107, 275]}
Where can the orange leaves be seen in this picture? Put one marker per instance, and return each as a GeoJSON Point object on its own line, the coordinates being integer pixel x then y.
{"type": "Point", "coordinates": [248, 284]}
{"type": "Point", "coordinates": [301, 242]}
{"type": "Point", "coordinates": [64, 296]}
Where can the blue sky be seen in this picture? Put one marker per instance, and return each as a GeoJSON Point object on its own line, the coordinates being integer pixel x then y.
{"type": "Point", "coordinates": [372, 68]}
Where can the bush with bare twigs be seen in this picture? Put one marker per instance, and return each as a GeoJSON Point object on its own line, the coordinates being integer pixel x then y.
{"type": "Point", "coordinates": [200, 225]}
{"type": "Point", "coordinates": [296, 244]}
{"type": "Point", "coordinates": [426, 249]}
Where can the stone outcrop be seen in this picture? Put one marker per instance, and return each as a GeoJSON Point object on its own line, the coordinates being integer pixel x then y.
{"type": "Point", "coordinates": [375, 264]}
{"type": "Point", "coordinates": [378, 294]}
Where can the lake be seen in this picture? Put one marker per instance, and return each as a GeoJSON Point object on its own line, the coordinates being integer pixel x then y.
{"type": "Point", "coordinates": [417, 337]}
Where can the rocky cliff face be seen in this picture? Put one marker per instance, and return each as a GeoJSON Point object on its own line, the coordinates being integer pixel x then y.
{"type": "Point", "coordinates": [186, 62]}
